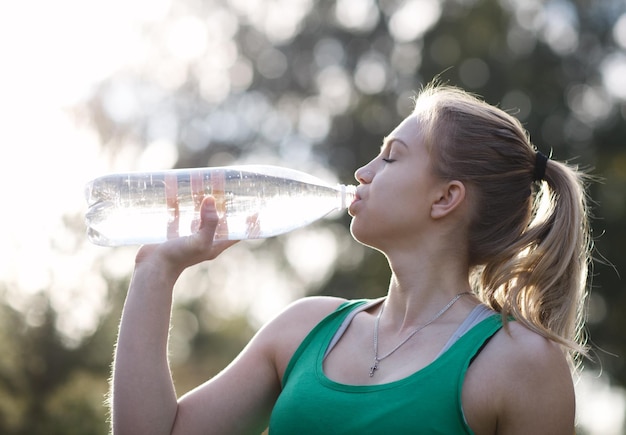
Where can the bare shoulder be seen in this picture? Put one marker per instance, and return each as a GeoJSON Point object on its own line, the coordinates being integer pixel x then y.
{"type": "Point", "coordinates": [525, 385]}
{"type": "Point", "coordinates": [303, 314]}
{"type": "Point", "coordinates": [525, 349]}
{"type": "Point", "coordinates": [287, 330]}
{"type": "Point", "coordinates": [313, 306]}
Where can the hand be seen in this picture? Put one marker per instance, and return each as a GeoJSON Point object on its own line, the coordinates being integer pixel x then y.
{"type": "Point", "coordinates": [200, 246]}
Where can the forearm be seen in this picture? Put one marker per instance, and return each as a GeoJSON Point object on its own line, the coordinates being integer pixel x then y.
{"type": "Point", "coordinates": [143, 396]}
{"type": "Point", "coordinates": [144, 399]}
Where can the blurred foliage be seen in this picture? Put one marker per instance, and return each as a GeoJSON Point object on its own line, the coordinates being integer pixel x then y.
{"type": "Point", "coordinates": [315, 85]}
{"type": "Point", "coordinates": [46, 387]}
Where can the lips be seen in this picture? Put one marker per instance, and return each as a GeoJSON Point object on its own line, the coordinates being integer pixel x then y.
{"type": "Point", "coordinates": [357, 198]}
{"type": "Point", "coordinates": [359, 192]}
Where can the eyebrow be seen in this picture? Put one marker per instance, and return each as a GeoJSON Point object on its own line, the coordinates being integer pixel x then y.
{"type": "Point", "coordinates": [387, 141]}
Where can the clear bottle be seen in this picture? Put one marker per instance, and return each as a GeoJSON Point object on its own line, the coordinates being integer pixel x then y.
{"type": "Point", "coordinates": [252, 202]}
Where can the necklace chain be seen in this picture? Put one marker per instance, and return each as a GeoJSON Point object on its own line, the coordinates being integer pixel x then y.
{"type": "Point", "coordinates": [378, 359]}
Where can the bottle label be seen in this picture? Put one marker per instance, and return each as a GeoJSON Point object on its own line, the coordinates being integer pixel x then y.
{"type": "Point", "coordinates": [218, 182]}
{"type": "Point", "coordinates": [218, 187]}
{"type": "Point", "coordinates": [197, 193]}
{"type": "Point", "coordinates": [173, 208]}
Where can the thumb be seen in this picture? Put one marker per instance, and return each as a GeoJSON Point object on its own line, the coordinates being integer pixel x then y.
{"type": "Point", "coordinates": [209, 219]}
{"type": "Point", "coordinates": [209, 223]}
{"type": "Point", "coordinates": [202, 238]}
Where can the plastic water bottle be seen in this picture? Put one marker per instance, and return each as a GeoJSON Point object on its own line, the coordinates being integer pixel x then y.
{"type": "Point", "coordinates": [252, 202]}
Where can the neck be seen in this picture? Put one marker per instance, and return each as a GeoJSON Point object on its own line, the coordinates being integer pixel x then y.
{"type": "Point", "coordinates": [421, 285]}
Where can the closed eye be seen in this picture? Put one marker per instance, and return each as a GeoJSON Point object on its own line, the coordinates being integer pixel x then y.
{"type": "Point", "coordinates": [388, 160]}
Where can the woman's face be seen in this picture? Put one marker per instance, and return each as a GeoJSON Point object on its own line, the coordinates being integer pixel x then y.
{"type": "Point", "coordinates": [396, 190]}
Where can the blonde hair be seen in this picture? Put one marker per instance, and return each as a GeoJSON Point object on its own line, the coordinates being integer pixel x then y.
{"type": "Point", "coordinates": [529, 240]}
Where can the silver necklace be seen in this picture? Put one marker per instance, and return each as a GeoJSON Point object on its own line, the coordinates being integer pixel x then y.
{"type": "Point", "coordinates": [378, 359]}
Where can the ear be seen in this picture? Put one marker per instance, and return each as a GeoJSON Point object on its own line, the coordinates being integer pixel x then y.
{"type": "Point", "coordinates": [451, 196]}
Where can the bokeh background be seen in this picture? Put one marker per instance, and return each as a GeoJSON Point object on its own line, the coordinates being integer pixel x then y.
{"type": "Point", "coordinates": [90, 87]}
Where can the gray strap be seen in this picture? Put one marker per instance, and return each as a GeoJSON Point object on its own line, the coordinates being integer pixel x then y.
{"type": "Point", "coordinates": [477, 315]}
{"type": "Point", "coordinates": [346, 322]}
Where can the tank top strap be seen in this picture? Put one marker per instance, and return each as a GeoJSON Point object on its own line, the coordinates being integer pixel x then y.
{"type": "Point", "coordinates": [347, 320]}
{"type": "Point", "coordinates": [332, 322]}
{"type": "Point", "coordinates": [477, 315]}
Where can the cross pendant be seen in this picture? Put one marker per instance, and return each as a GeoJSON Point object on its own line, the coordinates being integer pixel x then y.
{"type": "Point", "coordinates": [373, 368]}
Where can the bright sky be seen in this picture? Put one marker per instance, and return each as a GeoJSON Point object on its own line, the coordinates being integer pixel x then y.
{"type": "Point", "coordinates": [53, 54]}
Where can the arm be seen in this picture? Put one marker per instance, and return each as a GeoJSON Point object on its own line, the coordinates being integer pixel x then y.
{"type": "Point", "coordinates": [520, 384]}
{"type": "Point", "coordinates": [143, 396]}
{"type": "Point", "coordinates": [541, 398]}
{"type": "Point", "coordinates": [240, 398]}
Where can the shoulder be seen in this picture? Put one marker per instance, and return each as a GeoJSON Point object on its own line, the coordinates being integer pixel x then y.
{"type": "Point", "coordinates": [527, 358]}
{"type": "Point", "coordinates": [303, 314]}
{"type": "Point", "coordinates": [315, 304]}
{"type": "Point", "coordinates": [523, 347]}
{"type": "Point", "coordinates": [527, 382]}
{"type": "Point", "coordinates": [517, 355]}
{"type": "Point", "coordinates": [307, 312]}
{"type": "Point", "coordinates": [285, 332]}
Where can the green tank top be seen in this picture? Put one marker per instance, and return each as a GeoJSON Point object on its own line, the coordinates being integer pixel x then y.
{"type": "Point", "coordinates": [426, 402]}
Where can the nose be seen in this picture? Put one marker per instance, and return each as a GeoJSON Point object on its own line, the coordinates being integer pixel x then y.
{"type": "Point", "coordinates": [363, 175]}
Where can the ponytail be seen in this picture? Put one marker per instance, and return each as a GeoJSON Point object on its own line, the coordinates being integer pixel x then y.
{"type": "Point", "coordinates": [529, 243]}
{"type": "Point", "coordinates": [541, 278]}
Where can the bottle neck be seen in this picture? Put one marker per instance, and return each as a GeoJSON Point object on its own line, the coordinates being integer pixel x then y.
{"type": "Point", "coordinates": [348, 193]}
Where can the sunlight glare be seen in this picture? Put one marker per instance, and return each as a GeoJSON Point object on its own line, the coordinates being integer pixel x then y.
{"type": "Point", "coordinates": [53, 152]}
{"type": "Point", "coordinates": [619, 31]}
{"type": "Point", "coordinates": [314, 121]}
{"type": "Point", "coordinates": [600, 407]}
{"type": "Point", "coordinates": [159, 154]}
{"type": "Point", "coordinates": [312, 252]}
{"type": "Point", "coordinates": [613, 70]}
{"type": "Point", "coordinates": [335, 88]}
{"type": "Point", "coordinates": [186, 38]}
{"type": "Point", "coordinates": [413, 19]}
{"type": "Point", "coordinates": [560, 26]}
{"type": "Point", "coordinates": [591, 104]}
{"type": "Point", "coordinates": [279, 20]}
{"type": "Point", "coordinates": [357, 15]}
{"type": "Point", "coordinates": [371, 74]}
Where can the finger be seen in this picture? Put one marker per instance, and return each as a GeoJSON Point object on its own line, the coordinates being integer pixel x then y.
{"type": "Point", "coordinates": [208, 214]}
{"type": "Point", "coordinates": [209, 222]}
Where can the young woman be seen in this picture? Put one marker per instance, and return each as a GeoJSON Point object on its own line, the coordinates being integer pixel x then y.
{"type": "Point", "coordinates": [488, 245]}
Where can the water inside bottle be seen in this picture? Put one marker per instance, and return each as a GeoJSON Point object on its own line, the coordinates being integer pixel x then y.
{"type": "Point", "coordinates": [150, 208]}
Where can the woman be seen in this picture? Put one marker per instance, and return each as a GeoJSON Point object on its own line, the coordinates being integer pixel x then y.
{"type": "Point", "coordinates": [487, 241]}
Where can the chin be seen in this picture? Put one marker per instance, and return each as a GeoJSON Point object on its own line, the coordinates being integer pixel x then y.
{"type": "Point", "coordinates": [362, 235]}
